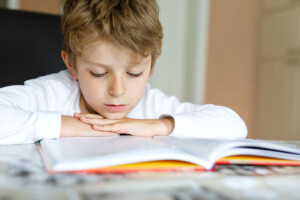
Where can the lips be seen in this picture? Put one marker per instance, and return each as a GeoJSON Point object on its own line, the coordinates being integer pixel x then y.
{"type": "Point", "coordinates": [115, 108]}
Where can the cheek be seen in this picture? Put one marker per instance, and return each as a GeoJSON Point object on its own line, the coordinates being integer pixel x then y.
{"type": "Point", "coordinates": [137, 89]}
{"type": "Point", "coordinates": [91, 89]}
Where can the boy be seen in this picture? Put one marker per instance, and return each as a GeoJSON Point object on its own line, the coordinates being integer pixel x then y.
{"type": "Point", "coordinates": [110, 48]}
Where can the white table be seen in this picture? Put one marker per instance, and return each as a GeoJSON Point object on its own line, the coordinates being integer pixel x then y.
{"type": "Point", "coordinates": [22, 176]}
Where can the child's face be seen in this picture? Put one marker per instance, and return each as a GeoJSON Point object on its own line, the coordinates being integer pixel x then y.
{"type": "Point", "coordinates": [112, 79]}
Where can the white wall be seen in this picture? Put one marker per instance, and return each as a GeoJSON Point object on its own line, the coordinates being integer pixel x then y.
{"type": "Point", "coordinates": [13, 4]}
{"type": "Point", "coordinates": [180, 70]}
{"type": "Point", "coordinates": [169, 71]}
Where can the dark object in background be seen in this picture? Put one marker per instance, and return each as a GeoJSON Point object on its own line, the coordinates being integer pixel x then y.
{"type": "Point", "coordinates": [30, 46]}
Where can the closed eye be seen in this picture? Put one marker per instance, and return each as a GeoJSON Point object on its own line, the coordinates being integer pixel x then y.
{"type": "Point", "coordinates": [97, 75]}
{"type": "Point", "coordinates": [135, 75]}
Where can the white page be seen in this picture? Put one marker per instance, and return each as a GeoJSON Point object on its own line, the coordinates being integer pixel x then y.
{"type": "Point", "coordinates": [261, 152]}
{"type": "Point", "coordinates": [87, 153]}
{"type": "Point", "coordinates": [214, 149]}
{"type": "Point", "coordinates": [95, 152]}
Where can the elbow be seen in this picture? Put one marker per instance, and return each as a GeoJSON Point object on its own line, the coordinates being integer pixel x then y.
{"type": "Point", "coordinates": [238, 126]}
{"type": "Point", "coordinates": [240, 130]}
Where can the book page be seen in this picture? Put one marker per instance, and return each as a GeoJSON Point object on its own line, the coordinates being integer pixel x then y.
{"type": "Point", "coordinates": [96, 152]}
{"type": "Point", "coordinates": [201, 148]}
{"type": "Point", "coordinates": [214, 149]}
{"type": "Point", "coordinates": [90, 152]}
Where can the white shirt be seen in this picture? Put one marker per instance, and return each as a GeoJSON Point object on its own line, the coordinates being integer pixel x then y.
{"type": "Point", "coordinates": [32, 111]}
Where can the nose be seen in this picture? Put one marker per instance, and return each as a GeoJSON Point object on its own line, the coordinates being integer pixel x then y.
{"type": "Point", "coordinates": [116, 87]}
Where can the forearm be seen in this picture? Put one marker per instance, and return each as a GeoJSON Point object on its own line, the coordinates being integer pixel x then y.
{"type": "Point", "coordinates": [72, 127]}
{"type": "Point", "coordinates": [136, 127]}
{"type": "Point", "coordinates": [68, 126]}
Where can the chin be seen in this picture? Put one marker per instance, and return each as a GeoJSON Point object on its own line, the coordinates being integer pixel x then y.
{"type": "Point", "coordinates": [115, 116]}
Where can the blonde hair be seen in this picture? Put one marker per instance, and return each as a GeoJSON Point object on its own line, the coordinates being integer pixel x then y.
{"type": "Point", "coordinates": [132, 23]}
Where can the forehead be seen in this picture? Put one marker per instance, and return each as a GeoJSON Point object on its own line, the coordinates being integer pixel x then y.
{"type": "Point", "coordinates": [109, 52]}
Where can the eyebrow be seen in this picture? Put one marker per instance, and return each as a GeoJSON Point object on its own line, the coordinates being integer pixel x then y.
{"type": "Point", "coordinates": [97, 64]}
{"type": "Point", "coordinates": [108, 66]}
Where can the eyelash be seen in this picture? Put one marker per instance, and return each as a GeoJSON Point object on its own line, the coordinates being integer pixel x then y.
{"type": "Point", "coordinates": [135, 75]}
{"type": "Point", "coordinates": [102, 75]}
{"type": "Point", "coordinates": [97, 75]}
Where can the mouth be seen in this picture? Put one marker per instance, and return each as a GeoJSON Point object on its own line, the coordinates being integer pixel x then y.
{"type": "Point", "coordinates": [115, 108]}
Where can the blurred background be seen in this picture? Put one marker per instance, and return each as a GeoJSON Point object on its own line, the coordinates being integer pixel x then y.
{"type": "Point", "coordinates": [241, 54]}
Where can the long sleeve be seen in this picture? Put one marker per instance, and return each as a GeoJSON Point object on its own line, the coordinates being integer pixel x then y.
{"type": "Point", "coordinates": [207, 121]}
{"type": "Point", "coordinates": [191, 120]}
{"type": "Point", "coordinates": [32, 111]}
{"type": "Point", "coordinates": [19, 126]}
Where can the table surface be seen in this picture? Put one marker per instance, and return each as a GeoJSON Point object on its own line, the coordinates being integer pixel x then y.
{"type": "Point", "coordinates": [22, 176]}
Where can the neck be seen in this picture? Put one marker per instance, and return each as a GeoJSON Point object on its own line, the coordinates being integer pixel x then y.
{"type": "Point", "coordinates": [84, 107]}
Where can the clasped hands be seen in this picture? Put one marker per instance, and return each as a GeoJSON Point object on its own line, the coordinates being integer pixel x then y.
{"type": "Point", "coordinates": [134, 127]}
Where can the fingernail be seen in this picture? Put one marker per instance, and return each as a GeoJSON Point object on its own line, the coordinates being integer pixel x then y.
{"type": "Point", "coordinates": [97, 126]}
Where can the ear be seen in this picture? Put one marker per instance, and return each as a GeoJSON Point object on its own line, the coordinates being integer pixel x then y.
{"type": "Point", "coordinates": [67, 63]}
{"type": "Point", "coordinates": [157, 58]}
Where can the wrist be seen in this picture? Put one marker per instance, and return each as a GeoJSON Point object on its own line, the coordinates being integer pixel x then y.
{"type": "Point", "coordinates": [168, 125]}
{"type": "Point", "coordinates": [66, 127]}
{"type": "Point", "coordinates": [71, 126]}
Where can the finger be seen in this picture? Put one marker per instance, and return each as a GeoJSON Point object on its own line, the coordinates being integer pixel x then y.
{"type": "Point", "coordinates": [120, 128]}
{"type": "Point", "coordinates": [115, 128]}
{"type": "Point", "coordinates": [78, 115]}
{"type": "Point", "coordinates": [98, 121]}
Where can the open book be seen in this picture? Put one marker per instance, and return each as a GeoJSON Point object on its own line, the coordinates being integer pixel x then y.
{"type": "Point", "coordinates": [93, 154]}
